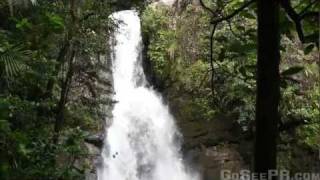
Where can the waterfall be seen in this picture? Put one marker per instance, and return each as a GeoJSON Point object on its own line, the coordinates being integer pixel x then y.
{"type": "Point", "coordinates": [142, 142]}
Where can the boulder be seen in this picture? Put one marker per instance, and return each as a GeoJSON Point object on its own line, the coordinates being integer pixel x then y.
{"type": "Point", "coordinates": [96, 140]}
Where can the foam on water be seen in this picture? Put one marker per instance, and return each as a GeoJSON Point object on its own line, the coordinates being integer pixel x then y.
{"type": "Point", "coordinates": [142, 142]}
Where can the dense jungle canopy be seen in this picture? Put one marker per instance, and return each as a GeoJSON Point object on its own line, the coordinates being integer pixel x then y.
{"type": "Point", "coordinates": [238, 75]}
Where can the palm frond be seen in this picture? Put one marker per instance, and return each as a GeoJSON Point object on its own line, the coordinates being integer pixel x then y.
{"type": "Point", "coordinates": [12, 60]}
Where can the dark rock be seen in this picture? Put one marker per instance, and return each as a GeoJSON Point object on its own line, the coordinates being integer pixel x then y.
{"type": "Point", "coordinates": [91, 176]}
{"type": "Point", "coordinates": [210, 160]}
{"type": "Point", "coordinates": [96, 140]}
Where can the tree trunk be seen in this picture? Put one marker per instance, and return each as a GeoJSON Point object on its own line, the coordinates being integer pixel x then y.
{"type": "Point", "coordinates": [268, 86]}
{"type": "Point", "coordinates": [69, 47]}
{"type": "Point", "coordinates": [60, 60]}
{"type": "Point", "coordinates": [59, 119]}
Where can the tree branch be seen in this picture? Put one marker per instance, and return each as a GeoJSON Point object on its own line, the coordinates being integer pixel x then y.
{"type": "Point", "coordinates": [227, 17]}
{"type": "Point", "coordinates": [215, 22]}
{"type": "Point", "coordinates": [307, 7]}
{"type": "Point", "coordinates": [292, 124]}
{"type": "Point", "coordinates": [294, 16]}
{"type": "Point", "coordinates": [239, 36]}
{"type": "Point", "coordinates": [235, 12]}
{"type": "Point", "coordinates": [207, 8]}
{"type": "Point", "coordinates": [298, 17]}
{"type": "Point", "coordinates": [309, 14]}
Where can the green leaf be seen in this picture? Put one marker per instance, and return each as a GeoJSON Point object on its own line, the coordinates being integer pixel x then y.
{"type": "Point", "coordinates": [248, 14]}
{"type": "Point", "coordinates": [55, 22]}
{"type": "Point", "coordinates": [308, 49]}
{"type": "Point", "coordinates": [292, 70]}
{"type": "Point", "coordinates": [12, 60]}
{"type": "Point", "coordinates": [4, 125]}
{"type": "Point", "coordinates": [23, 24]}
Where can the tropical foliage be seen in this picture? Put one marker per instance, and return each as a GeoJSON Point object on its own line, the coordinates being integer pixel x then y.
{"type": "Point", "coordinates": [179, 53]}
{"type": "Point", "coordinates": [49, 102]}
{"type": "Point", "coordinates": [52, 54]}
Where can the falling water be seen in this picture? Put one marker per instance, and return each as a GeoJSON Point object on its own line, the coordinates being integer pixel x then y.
{"type": "Point", "coordinates": [142, 142]}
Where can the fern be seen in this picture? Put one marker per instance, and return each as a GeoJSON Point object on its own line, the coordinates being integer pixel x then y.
{"type": "Point", "coordinates": [12, 60]}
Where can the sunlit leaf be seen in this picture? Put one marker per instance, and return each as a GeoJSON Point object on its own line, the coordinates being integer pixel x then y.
{"type": "Point", "coordinates": [308, 49]}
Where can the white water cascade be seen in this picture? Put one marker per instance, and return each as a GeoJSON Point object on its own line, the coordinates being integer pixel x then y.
{"type": "Point", "coordinates": [142, 142]}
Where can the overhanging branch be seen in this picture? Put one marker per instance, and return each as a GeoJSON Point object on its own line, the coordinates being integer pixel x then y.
{"type": "Point", "coordinates": [298, 17]}
{"type": "Point", "coordinates": [229, 16]}
{"type": "Point", "coordinates": [215, 23]}
{"type": "Point", "coordinates": [294, 16]}
{"type": "Point", "coordinates": [307, 7]}
{"type": "Point", "coordinates": [234, 13]}
{"type": "Point", "coordinates": [207, 8]}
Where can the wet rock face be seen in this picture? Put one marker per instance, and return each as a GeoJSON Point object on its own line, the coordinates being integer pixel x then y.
{"type": "Point", "coordinates": [94, 142]}
{"type": "Point", "coordinates": [121, 4]}
{"type": "Point", "coordinates": [212, 147]}
{"type": "Point", "coordinates": [94, 161]}
{"type": "Point", "coordinates": [91, 176]}
{"type": "Point", "coordinates": [217, 158]}
{"type": "Point", "coordinates": [212, 160]}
